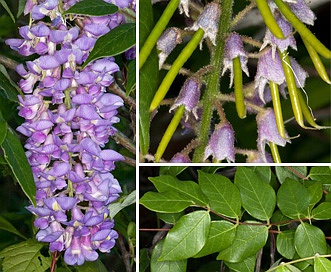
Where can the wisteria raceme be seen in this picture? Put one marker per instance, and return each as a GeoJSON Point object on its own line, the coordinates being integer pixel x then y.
{"type": "Point", "coordinates": [69, 117]}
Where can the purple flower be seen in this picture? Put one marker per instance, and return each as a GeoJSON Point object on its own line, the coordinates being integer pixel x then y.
{"type": "Point", "coordinates": [270, 68]}
{"type": "Point", "coordinates": [281, 44]}
{"type": "Point", "coordinates": [268, 132]}
{"type": "Point", "coordinates": [180, 158]}
{"type": "Point", "coordinates": [208, 21]}
{"type": "Point", "coordinates": [234, 48]}
{"type": "Point", "coordinates": [189, 96]}
{"type": "Point", "coordinates": [221, 144]}
{"type": "Point", "coordinates": [167, 42]}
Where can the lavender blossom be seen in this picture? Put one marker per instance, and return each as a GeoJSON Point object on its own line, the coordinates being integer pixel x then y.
{"type": "Point", "coordinates": [208, 21]}
{"type": "Point", "coordinates": [167, 42]}
{"type": "Point", "coordinates": [270, 68]}
{"type": "Point", "coordinates": [189, 96]}
{"type": "Point", "coordinates": [221, 144]}
{"type": "Point", "coordinates": [69, 117]}
{"type": "Point", "coordinates": [234, 48]}
{"type": "Point", "coordinates": [268, 132]}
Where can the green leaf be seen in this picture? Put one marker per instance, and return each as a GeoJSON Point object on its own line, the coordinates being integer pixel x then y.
{"type": "Point", "coordinates": [223, 195]}
{"type": "Point", "coordinates": [287, 268]}
{"type": "Point", "coordinates": [24, 257]}
{"type": "Point", "coordinates": [315, 193]}
{"type": "Point", "coordinates": [293, 199]}
{"type": "Point", "coordinates": [248, 241]}
{"type": "Point", "coordinates": [7, 226]}
{"type": "Point", "coordinates": [172, 170]}
{"type": "Point", "coordinates": [321, 173]}
{"type": "Point", "coordinates": [309, 240]}
{"type": "Point", "coordinates": [18, 163]}
{"type": "Point", "coordinates": [3, 129]}
{"type": "Point", "coordinates": [322, 211]}
{"type": "Point", "coordinates": [258, 197]}
{"type": "Point", "coordinates": [131, 82]}
{"type": "Point", "coordinates": [246, 265]}
{"type": "Point", "coordinates": [285, 244]}
{"type": "Point", "coordinates": [322, 264]}
{"type": "Point", "coordinates": [189, 190]}
{"type": "Point", "coordinates": [5, 6]}
{"type": "Point", "coordinates": [166, 202]}
{"type": "Point", "coordinates": [92, 8]}
{"type": "Point", "coordinates": [92, 267]}
{"type": "Point", "coordinates": [21, 6]}
{"type": "Point", "coordinates": [144, 259]}
{"type": "Point", "coordinates": [221, 235]}
{"type": "Point", "coordinates": [116, 207]}
{"type": "Point", "coordinates": [187, 237]}
{"type": "Point", "coordinates": [292, 172]}
{"type": "Point", "coordinates": [165, 266]}
{"type": "Point", "coordinates": [211, 169]}
{"type": "Point", "coordinates": [115, 42]}
{"type": "Point", "coordinates": [148, 76]}
{"type": "Point", "coordinates": [170, 218]}
{"type": "Point", "coordinates": [264, 172]}
{"type": "Point", "coordinates": [10, 89]}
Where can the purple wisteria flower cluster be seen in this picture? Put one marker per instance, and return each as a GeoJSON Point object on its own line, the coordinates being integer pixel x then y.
{"type": "Point", "coordinates": [69, 118]}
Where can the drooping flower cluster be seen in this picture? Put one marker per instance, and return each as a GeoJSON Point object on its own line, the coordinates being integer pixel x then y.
{"type": "Point", "coordinates": [69, 117]}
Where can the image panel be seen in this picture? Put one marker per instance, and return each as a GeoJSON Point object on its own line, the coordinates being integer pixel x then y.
{"type": "Point", "coordinates": [67, 135]}
{"type": "Point", "coordinates": [264, 218]}
{"type": "Point", "coordinates": [234, 81]}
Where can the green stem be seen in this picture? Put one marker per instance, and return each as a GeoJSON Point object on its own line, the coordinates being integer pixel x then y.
{"type": "Point", "coordinates": [238, 88]}
{"type": "Point", "coordinates": [213, 80]}
{"type": "Point", "coordinates": [157, 31]}
{"type": "Point", "coordinates": [175, 67]}
{"type": "Point", "coordinates": [277, 108]}
{"type": "Point", "coordinates": [302, 29]}
{"type": "Point", "coordinates": [275, 153]}
{"type": "Point", "coordinates": [269, 19]}
{"type": "Point", "coordinates": [169, 133]}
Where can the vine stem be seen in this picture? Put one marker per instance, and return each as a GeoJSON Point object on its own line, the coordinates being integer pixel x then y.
{"type": "Point", "coordinates": [213, 79]}
{"type": "Point", "coordinates": [157, 31]}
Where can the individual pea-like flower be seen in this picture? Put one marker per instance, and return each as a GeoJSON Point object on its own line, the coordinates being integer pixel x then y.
{"type": "Point", "coordinates": [69, 117]}
{"type": "Point", "coordinates": [268, 132]}
{"type": "Point", "coordinates": [189, 96]}
{"type": "Point", "coordinates": [281, 44]}
{"type": "Point", "coordinates": [208, 21]}
{"type": "Point", "coordinates": [234, 48]}
{"type": "Point", "coordinates": [270, 69]}
{"type": "Point", "coordinates": [221, 144]}
{"type": "Point", "coordinates": [167, 42]}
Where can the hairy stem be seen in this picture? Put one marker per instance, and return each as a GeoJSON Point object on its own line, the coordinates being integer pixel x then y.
{"type": "Point", "coordinates": [213, 80]}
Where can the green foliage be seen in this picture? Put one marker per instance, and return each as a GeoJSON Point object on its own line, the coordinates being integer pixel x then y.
{"type": "Point", "coordinates": [92, 8]}
{"type": "Point", "coordinates": [115, 42]}
{"type": "Point", "coordinates": [10, 90]}
{"type": "Point", "coordinates": [212, 218]}
{"type": "Point", "coordinates": [121, 203]}
{"type": "Point", "coordinates": [7, 226]}
{"type": "Point", "coordinates": [148, 76]}
{"type": "Point", "coordinates": [18, 163]}
{"type": "Point", "coordinates": [24, 256]}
